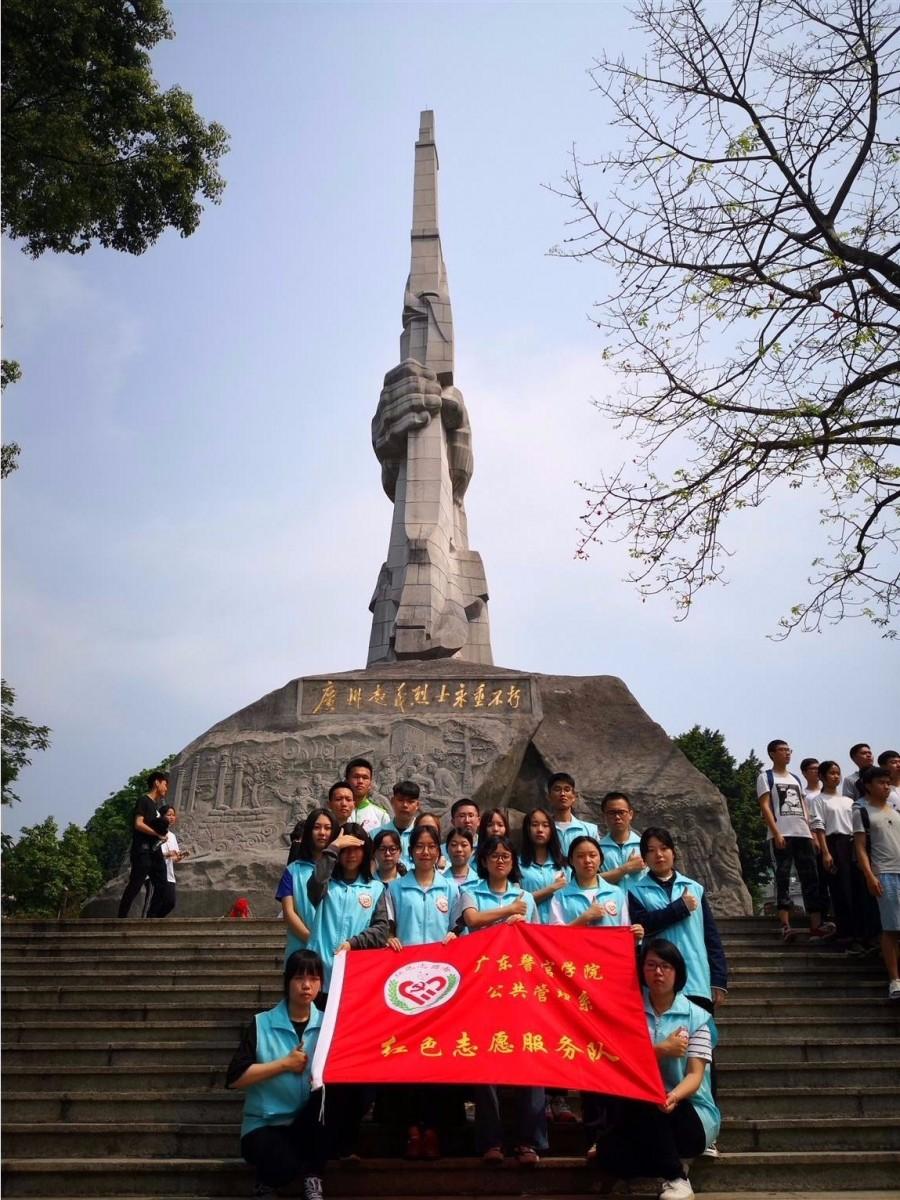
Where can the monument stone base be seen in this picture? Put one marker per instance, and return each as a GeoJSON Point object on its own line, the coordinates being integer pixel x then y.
{"type": "Point", "coordinates": [454, 728]}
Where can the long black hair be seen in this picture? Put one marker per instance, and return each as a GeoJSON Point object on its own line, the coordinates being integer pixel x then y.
{"type": "Point", "coordinates": [365, 869]}
{"type": "Point", "coordinates": [303, 851]}
{"type": "Point", "coordinates": [487, 847]}
{"type": "Point", "coordinates": [554, 846]}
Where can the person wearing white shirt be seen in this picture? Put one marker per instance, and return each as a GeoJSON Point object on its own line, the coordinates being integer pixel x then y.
{"type": "Point", "coordinates": [164, 897]}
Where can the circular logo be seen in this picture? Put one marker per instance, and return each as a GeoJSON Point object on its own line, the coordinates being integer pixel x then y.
{"type": "Point", "coordinates": [365, 900]}
{"type": "Point", "coordinates": [419, 986]}
{"type": "Point", "coordinates": [611, 907]}
{"type": "Point", "coordinates": [442, 904]}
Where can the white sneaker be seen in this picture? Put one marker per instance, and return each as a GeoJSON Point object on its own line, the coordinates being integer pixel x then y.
{"type": "Point", "coordinates": [712, 1151]}
{"type": "Point", "coordinates": [894, 989]}
{"type": "Point", "coordinates": [312, 1187]}
{"type": "Point", "coordinates": [676, 1189]}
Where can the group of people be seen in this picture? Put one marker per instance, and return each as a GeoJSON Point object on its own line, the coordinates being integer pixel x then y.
{"type": "Point", "coordinates": [154, 851]}
{"type": "Point", "coordinates": [841, 835]}
{"type": "Point", "coordinates": [361, 878]}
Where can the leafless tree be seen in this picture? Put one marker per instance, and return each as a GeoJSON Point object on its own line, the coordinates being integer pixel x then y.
{"type": "Point", "coordinates": [752, 219]}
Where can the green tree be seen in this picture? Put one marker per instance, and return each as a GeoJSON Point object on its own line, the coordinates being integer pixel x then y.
{"type": "Point", "coordinates": [21, 738]}
{"type": "Point", "coordinates": [109, 829]}
{"type": "Point", "coordinates": [10, 372]}
{"type": "Point", "coordinates": [706, 749]}
{"type": "Point", "coordinates": [750, 217]}
{"type": "Point", "coordinates": [93, 150]}
{"type": "Point", "coordinates": [45, 875]}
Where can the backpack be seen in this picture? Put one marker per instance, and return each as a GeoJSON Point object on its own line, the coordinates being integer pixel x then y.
{"type": "Point", "coordinates": [770, 780]}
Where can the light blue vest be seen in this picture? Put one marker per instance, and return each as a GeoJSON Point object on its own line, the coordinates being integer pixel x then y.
{"type": "Point", "coordinates": [300, 872]}
{"type": "Point", "coordinates": [615, 855]}
{"type": "Point", "coordinates": [535, 878]}
{"type": "Point", "coordinates": [277, 1101]}
{"type": "Point", "coordinates": [573, 900]}
{"type": "Point", "coordinates": [472, 876]}
{"type": "Point", "coordinates": [346, 909]}
{"type": "Point", "coordinates": [423, 915]}
{"type": "Point", "coordinates": [684, 1014]}
{"type": "Point", "coordinates": [575, 828]}
{"type": "Point", "coordinates": [482, 898]}
{"type": "Point", "coordinates": [687, 935]}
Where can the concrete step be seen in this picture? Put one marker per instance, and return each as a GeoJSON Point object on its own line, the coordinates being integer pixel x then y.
{"type": "Point", "coordinates": [91, 1033]}
{"type": "Point", "coordinates": [788, 1050]}
{"type": "Point", "coordinates": [52, 1055]}
{"type": "Point", "coordinates": [819, 1133]}
{"type": "Point", "coordinates": [764, 1103]}
{"type": "Point", "coordinates": [883, 1022]}
{"type": "Point", "coordinates": [762, 1171]}
{"type": "Point", "coordinates": [132, 1007]}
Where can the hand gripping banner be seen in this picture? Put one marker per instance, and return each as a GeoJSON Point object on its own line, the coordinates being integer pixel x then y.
{"type": "Point", "coordinates": [532, 1005]}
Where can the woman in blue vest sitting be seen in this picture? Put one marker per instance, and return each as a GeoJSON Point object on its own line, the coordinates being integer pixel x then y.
{"type": "Point", "coordinates": [280, 1135]}
{"type": "Point", "coordinates": [665, 900]}
{"type": "Point", "coordinates": [649, 1139]}
{"type": "Point", "coordinates": [424, 904]}
{"type": "Point", "coordinates": [319, 829]}
{"type": "Point", "coordinates": [499, 898]}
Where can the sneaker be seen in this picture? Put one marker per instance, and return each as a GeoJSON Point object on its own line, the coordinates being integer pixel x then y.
{"type": "Point", "coordinates": [676, 1189]}
{"type": "Point", "coordinates": [855, 950]}
{"type": "Point", "coordinates": [527, 1156]}
{"type": "Point", "coordinates": [492, 1156]}
{"type": "Point", "coordinates": [312, 1187]}
{"type": "Point", "coordinates": [431, 1146]}
{"type": "Point", "coordinates": [787, 934]}
{"type": "Point", "coordinates": [894, 989]}
{"type": "Point", "coordinates": [824, 933]}
{"type": "Point", "coordinates": [560, 1110]}
{"type": "Point", "coordinates": [712, 1151]}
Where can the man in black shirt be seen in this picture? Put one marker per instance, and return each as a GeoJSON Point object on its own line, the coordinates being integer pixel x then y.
{"type": "Point", "coordinates": [149, 833]}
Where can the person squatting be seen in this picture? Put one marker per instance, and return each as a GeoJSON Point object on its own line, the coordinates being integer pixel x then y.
{"type": "Point", "coordinates": [343, 889]}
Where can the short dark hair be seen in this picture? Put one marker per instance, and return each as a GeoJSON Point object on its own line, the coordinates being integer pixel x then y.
{"type": "Point", "coordinates": [554, 846]}
{"type": "Point", "coordinates": [487, 846]}
{"type": "Point", "coordinates": [365, 869]}
{"type": "Point", "coordinates": [615, 796]}
{"type": "Point", "coordinates": [420, 831]}
{"type": "Point", "coordinates": [583, 837]}
{"type": "Point", "coordinates": [670, 954]}
{"type": "Point", "coordinates": [386, 832]}
{"type": "Point", "coordinates": [661, 835]}
{"type": "Point", "coordinates": [341, 783]}
{"type": "Point", "coordinates": [426, 816]}
{"type": "Point", "coordinates": [774, 744]}
{"type": "Point", "coordinates": [156, 777]}
{"type": "Point", "coordinates": [463, 833]}
{"type": "Point", "coordinates": [857, 746]}
{"type": "Point", "coordinates": [164, 808]}
{"type": "Point", "coordinates": [805, 763]}
{"type": "Point", "coordinates": [407, 788]}
{"type": "Point", "coordinates": [560, 777]}
{"type": "Point", "coordinates": [358, 762]}
{"type": "Point", "coordinates": [304, 851]}
{"type": "Point", "coordinates": [302, 962]}
{"type": "Point", "coordinates": [869, 775]}
{"type": "Point", "coordinates": [460, 803]}
{"type": "Point", "coordinates": [886, 755]}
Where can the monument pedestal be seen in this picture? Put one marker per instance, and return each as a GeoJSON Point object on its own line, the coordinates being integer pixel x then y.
{"type": "Point", "coordinates": [454, 728]}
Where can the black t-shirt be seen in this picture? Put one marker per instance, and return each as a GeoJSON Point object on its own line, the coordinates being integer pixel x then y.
{"type": "Point", "coordinates": [245, 1055]}
{"type": "Point", "coordinates": [148, 810]}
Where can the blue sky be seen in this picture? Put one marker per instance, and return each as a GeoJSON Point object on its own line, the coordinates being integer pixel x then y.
{"type": "Point", "coordinates": [198, 516]}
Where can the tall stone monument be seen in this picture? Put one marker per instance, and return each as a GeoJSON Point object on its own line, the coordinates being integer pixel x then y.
{"type": "Point", "coordinates": [429, 705]}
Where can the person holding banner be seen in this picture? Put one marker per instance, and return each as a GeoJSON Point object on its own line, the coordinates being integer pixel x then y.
{"type": "Point", "coordinates": [542, 861]}
{"type": "Point", "coordinates": [648, 1139]}
{"type": "Point", "coordinates": [319, 828]}
{"type": "Point", "coordinates": [498, 898]}
{"type": "Point", "coordinates": [280, 1134]}
{"type": "Point", "coordinates": [424, 904]}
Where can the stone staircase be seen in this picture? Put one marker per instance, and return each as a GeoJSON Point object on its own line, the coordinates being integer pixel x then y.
{"type": "Point", "coordinates": [116, 1035]}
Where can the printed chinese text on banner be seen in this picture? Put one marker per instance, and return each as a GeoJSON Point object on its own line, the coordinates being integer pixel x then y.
{"type": "Point", "coordinates": [533, 1005]}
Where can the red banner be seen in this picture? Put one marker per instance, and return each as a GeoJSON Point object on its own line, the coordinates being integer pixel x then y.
{"type": "Point", "coordinates": [533, 1005]}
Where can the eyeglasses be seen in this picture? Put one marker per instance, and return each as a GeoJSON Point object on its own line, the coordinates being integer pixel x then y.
{"type": "Point", "coordinates": [388, 849]}
{"type": "Point", "coordinates": [656, 967]}
{"type": "Point", "coordinates": [500, 858]}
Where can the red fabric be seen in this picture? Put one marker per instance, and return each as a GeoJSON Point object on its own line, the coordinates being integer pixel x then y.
{"type": "Point", "coordinates": [521, 1004]}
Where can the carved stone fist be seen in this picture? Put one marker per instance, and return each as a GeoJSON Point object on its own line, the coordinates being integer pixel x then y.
{"type": "Point", "coordinates": [411, 396]}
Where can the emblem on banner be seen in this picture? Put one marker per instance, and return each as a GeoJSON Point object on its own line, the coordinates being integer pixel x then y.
{"type": "Point", "coordinates": [419, 986]}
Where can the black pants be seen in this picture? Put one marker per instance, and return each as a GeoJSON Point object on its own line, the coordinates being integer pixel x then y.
{"type": "Point", "coordinates": [145, 864]}
{"type": "Point", "coordinates": [800, 852]}
{"type": "Point", "coordinates": [841, 883]}
{"type": "Point", "coordinates": [645, 1141]}
{"type": "Point", "coordinates": [281, 1153]}
{"type": "Point", "coordinates": [163, 900]}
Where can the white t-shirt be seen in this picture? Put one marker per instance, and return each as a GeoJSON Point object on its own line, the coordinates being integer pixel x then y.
{"type": "Point", "coordinates": [884, 837]}
{"type": "Point", "coordinates": [788, 803]}
{"type": "Point", "coordinates": [170, 847]}
{"type": "Point", "coordinates": [835, 812]}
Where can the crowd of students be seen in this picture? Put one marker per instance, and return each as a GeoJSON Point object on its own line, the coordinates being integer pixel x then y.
{"type": "Point", "coordinates": [841, 835]}
{"type": "Point", "coordinates": [361, 878]}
